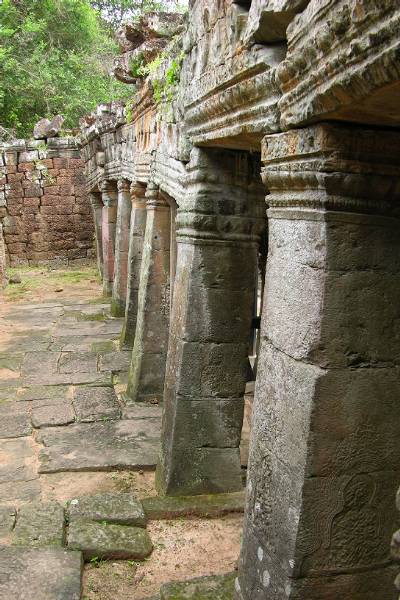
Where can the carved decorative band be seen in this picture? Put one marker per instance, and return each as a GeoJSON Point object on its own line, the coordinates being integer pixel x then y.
{"type": "Point", "coordinates": [123, 185]}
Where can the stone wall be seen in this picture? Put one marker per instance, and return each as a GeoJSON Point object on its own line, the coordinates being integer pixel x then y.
{"type": "Point", "coordinates": [44, 207]}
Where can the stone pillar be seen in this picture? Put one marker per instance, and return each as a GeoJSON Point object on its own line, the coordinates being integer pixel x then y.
{"type": "Point", "coordinates": [97, 207]}
{"type": "Point", "coordinates": [3, 272]}
{"type": "Point", "coordinates": [109, 218]}
{"type": "Point", "coordinates": [137, 229]}
{"type": "Point", "coordinates": [325, 454]}
{"type": "Point", "coordinates": [118, 301]}
{"type": "Point", "coordinates": [146, 376]}
{"type": "Point", "coordinates": [218, 225]}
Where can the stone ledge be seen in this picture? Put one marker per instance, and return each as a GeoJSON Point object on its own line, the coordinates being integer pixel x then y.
{"type": "Point", "coordinates": [215, 505]}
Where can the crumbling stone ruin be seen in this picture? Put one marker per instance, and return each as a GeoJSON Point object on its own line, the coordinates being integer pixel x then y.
{"type": "Point", "coordinates": [254, 178]}
{"type": "Point", "coordinates": [44, 207]}
{"type": "Point", "coordinates": [295, 104]}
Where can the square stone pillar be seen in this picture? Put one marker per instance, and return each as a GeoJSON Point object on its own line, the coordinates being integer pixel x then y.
{"type": "Point", "coordinates": [146, 376]}
{"type": "Point", "coordinates": [218, 226]}
{"type": "Point", "coordinates": [108, 228]}
{"type": "Point", "coordinates": [136, 237]}
{"type": "Point", "coordinates": [118, 301]}
{"type": "Point", "coordinates": [97, 207]}
{"type": "Point", "coordinates": [325, 453]}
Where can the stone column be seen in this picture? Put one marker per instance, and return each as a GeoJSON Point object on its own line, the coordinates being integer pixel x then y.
{"type": "Point", "coordinates": [137, 229]}
{"type": "Point", "coordinates": [146, 376]}
{"type": "Point", "coordinates": [118, 301]}
{"type": "Point", "coordinates": [325, 453]}
{"type": "Point", "coordinates": [3, 272]}
{"type": "Point", "coordinates": [109, 218]}
{"type": "Point", "coordinates": [97, 207]}
{"type": "Point", "coordinates": [218, 225]}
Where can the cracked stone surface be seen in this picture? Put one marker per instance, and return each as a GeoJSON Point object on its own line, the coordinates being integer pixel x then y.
{"type": "Point", "coordinates": [42, 574]}
{"type": "Point", "coordinates": [109, 541]}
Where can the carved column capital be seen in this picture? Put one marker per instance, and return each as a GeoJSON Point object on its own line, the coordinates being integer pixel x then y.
{"type": "Point", "coordinates": [224, 200]}
{"type": "Point", "coordinates": [333, 167]}
{"type": "Point", "coordinates": [123, 185]}
{"type": "Point", "coordinates": [138, 194]}
{"type": "Point", "coordinates": [95, 199]}
{"type": "Point", "coordinates": [108, 193]}
{"type": "Point", "coordinates": [153, 197]}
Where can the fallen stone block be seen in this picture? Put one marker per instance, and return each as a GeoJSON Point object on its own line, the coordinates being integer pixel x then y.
{"type": "Point", "coordinates": [40, 574]}
{"type": "Point", "coordinates": [40, 524]}
{"type": "Point", "coordinates": [174, 507]}
{"type": "Point", "coordinates": [216, 587]}
{"type": "Point", "coordinates": [107, 541]}
{"type": "Point", "coordinates": [119, 509]}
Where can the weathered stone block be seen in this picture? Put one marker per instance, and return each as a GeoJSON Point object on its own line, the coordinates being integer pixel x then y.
{"type": "Point", "coordinates": [40, 525]}
{"type": "Point", "coordinates": [95, 404]}
{"type": "Point", "coordinates": [109, 541]}
{"type": "Point", "coordinates": [114, 508]}
{"type": "Point", "coordinates": [217, 587]}
{"type": "Point", "coordinates": [43, 574]}
{"type": "Point", "coordinates": [167, 507]}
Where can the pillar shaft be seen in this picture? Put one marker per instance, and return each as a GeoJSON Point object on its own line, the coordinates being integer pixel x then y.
{"type": "Point", "coordinates": [146, 376]}
{"type": "Point", "coordinates": [324, 457]}
{"type": "Point", "coordinates": [97, 207]}
{"type": "Point", "coordinates": [121, 249]}
{"type": "Point", "coordinates": [109, 218]}
{"type": "Point", "coordinates": [217, 235]}
{"type": "Point", "coordinates": [136, 237]}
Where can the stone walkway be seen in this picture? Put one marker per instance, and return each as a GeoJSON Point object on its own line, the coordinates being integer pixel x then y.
{"type": "Point", "coordinates": [61, 402]}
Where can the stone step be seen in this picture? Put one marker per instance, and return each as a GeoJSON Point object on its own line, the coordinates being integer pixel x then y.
{"type": "Point", "coordinates": [215, 587]}
{"type": "Point", "coordinates": [40, 524]}
{"type": "Point", "coordinates": [114, 508]}
{"type": "Point", "coordinates": [174, 507]}
{"type": "Point", "coordinates": [106, 541]}
{"type": "Point", "coordinates": [40, 573]}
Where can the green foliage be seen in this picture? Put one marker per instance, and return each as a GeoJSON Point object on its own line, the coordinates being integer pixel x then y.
{"type": "Point", "coordinates": [137, 65]}
{"type": "Point", "coordinates": [115, 12]}
{"type": "Point", "coordinates": [55, 57]}
{"type": "Point", "coordinates": [164, 87]}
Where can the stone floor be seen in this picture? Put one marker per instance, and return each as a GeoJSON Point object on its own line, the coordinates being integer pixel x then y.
{"type": "Point", "coordinates": [61, 407]}
{"type": "Point", "coordinates": [66, 432]}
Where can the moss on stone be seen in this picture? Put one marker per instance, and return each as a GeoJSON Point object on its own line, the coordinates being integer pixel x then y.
{"type": "Point", "coordinates": [219, 587]}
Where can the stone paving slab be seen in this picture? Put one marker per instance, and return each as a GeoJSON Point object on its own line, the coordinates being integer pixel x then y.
{"type": "Point", "coordinates": [52, 415]}
{"type": "Point", "coordinates": [109, 541]}
{"type": "Point", "coordinates": [100, 446]}
{"type": "Point", "coordinates": [38, 341]}
{"type": "Point", "coordinates": [115, 361]}
{"type": "Point", "coordinates": [115, 508]}
{"type": "Point", "coordinates": [40, 524]}
{"type": "Point", "coordinates": [14, 420]}
{"type": "Point", "coordinates": [93, 328]}
{"type": "Point", "coordinates": [40, 574]}
{"type": "Point", "coordinates": [18, 476]}
{"type": "Point", "coordinates": [99, 379]}
{"type": "Point", "coordinates": [43, 392]}
{"type": "Point", "coordinates": [142, 410]}
{"type": "Point", "coordinates": [77, 362]}
{"type": "Point", "coordinates": [216, 587]}
{"type": "Point", "coordinates": [7, 520]}
{"type": "Point", "coordinates": [39, 364]}
{"type": "Point", "coordinates": [95, 404]}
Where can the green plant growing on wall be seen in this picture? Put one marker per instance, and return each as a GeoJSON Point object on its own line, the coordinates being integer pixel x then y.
{"type": "Point", "coordinates": [137, 65]}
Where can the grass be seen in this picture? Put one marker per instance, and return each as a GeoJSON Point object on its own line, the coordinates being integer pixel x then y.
{"type": "Point", "coordinates": [36, 278]}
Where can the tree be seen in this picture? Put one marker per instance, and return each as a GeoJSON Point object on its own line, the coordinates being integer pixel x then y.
{"type": "Point", "coordinates": [116, 12]}
{"type": "Point", "coordinates": [55, 57]}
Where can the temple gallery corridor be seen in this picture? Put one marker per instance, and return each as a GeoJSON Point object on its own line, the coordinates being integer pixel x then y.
{"type": "Point", "coordinates": [66, 433]}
